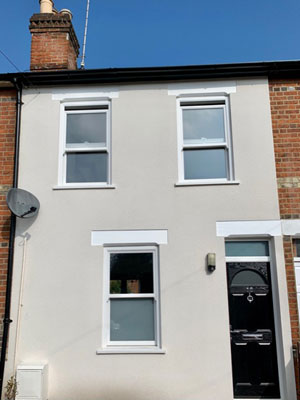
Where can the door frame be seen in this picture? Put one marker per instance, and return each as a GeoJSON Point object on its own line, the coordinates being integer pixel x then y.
{"type": "Point", "coordinates": [275, 299]}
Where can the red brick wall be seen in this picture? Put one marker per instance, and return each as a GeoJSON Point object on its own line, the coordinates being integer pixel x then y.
{"type": "Point", "coordinates": [7, 142]}
{"type": "Point", "coordinates": [285, 111]}
{"type": "Point", "coordinates": [51, 50]}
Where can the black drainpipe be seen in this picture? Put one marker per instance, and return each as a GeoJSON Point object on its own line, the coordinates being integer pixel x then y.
{"type": "Point", "coordinates": [6, 319]}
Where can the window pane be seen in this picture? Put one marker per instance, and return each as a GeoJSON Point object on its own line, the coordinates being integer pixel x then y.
{"type": "Point", "coordinates": [203, 126]}
{"type": "Point", "coordinates": [247, 278]}
{"type": "Point", "coordinates": [204, 164]}
{"type": "Point", "coordinates": [244, 249]}
{"type": "Point", "coordinates": [86, 129]}
{"type": "Point", "coordinates": [131, 273]}
{"type": "Point", "coordinates": [132, 319]}
{"type": "Point", "coordinates": [297, 243]}
{"type": "Point", "coordinates": [87, 167]}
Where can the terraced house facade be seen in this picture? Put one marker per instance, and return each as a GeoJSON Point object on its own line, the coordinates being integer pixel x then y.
{"type": "Point", "coordinates": [162, 262]}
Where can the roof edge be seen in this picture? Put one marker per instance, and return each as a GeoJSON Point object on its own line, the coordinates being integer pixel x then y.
{"type": "Point", "coordinates": [271, 69]}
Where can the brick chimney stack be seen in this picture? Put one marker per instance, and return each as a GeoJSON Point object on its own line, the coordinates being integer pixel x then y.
{"type": "Point", "coordinates": [54, 45]}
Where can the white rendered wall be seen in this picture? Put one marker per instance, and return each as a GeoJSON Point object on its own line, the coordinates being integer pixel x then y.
{"type": "Point", "coordinates": [62, 306]}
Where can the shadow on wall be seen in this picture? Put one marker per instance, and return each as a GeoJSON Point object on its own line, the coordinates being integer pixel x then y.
{"type": "Point", "coordinates": [23, 224]}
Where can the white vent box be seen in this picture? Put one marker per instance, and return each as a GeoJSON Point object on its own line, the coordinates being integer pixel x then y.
{"type": "Point", "coordinates": [32, 382]}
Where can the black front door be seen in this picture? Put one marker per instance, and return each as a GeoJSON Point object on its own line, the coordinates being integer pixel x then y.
{"type": "Point", "coordinates": [253, 342]}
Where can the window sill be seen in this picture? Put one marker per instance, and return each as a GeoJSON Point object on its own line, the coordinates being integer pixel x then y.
{"type": "Point", "coordinates": [86, 186]}
{"type": "Point", "coordinates": [208, 182]}
{"type": "Point", "coordinates": [130, 350]}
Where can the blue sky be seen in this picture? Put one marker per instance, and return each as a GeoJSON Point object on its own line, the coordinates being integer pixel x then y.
{"type": "Point", "coordinates": [137, 33]}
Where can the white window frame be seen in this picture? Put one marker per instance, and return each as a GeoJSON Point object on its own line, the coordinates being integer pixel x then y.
{"type": "Point", "coordinates": [130, 345]}
{"type": "Point", "coordinates": [83, 107]}
{"type": "Point", "coordinates": [204, 103]}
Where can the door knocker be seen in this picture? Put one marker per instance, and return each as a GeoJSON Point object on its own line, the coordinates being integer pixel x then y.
{"type": "Point", "coordinates": [250, 298]}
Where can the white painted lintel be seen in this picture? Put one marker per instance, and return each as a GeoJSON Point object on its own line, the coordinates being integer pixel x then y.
{"type": "Point", "coordinates": [201, 88]}
{"type": "Point", "coordinates": [249, 228]}
{"type": "Point", "coordinates": [85, 93]}
{"type": "Point", "coordinates": [291, 227]}
{"type": "Point", "coordinates": [158, 236]}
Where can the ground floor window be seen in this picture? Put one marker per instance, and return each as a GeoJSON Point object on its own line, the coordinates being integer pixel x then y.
{"type": "Point", "coordinates": [131, 290]}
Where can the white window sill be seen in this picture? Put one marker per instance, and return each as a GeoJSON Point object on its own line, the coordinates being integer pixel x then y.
{"type": "Point", "coordinates": [130, 350]}
{"type": "Point", "coordinates": [86, 186]}
{"type": "Point", "coordinates": [206, 182]}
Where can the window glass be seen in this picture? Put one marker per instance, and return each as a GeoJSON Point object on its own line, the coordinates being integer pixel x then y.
{"type": "Point", "coordinates": [132, 319]}
{"type": "Point", "coordinates": [87, 167]}
{"type": "Point", "coordinates": [248, 278]}
{"type": "Point", "coordinates": [297, 244]}
{"type": "Point", "coordinates": [205, 164]}
{"type": "Point", "coordinates": [131, 273]}
{"type": "Point", "coordinates": [86, 128]}
{"type": "Point", "coordinates": [203, 126]}
{"type": "Point", "coordinates": [247, 248]}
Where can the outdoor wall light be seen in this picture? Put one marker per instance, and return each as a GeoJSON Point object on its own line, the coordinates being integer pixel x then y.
{"type": "Point", "coordinates": [211, 262]}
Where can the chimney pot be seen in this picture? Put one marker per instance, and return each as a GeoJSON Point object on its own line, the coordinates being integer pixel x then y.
{"type": "Point", "coordinates": [46, 6]}
{"type": "Point", "coordinates": [67, 12]}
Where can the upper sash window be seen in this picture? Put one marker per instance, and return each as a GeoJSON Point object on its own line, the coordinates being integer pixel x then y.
{"type": "Point", "coordinates": [205, 145]}
{"type": "Point", "coordinates": [86, 144]}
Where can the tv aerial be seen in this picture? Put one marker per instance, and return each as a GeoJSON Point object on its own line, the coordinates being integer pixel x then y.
{"type": "Point", "coordinates": [21, 203]}
{"type": "Point", "coordinates": [82, 64]}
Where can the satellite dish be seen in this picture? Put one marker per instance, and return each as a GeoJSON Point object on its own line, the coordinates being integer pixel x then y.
{"type": "Point", "coordinates": [21, 203]}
